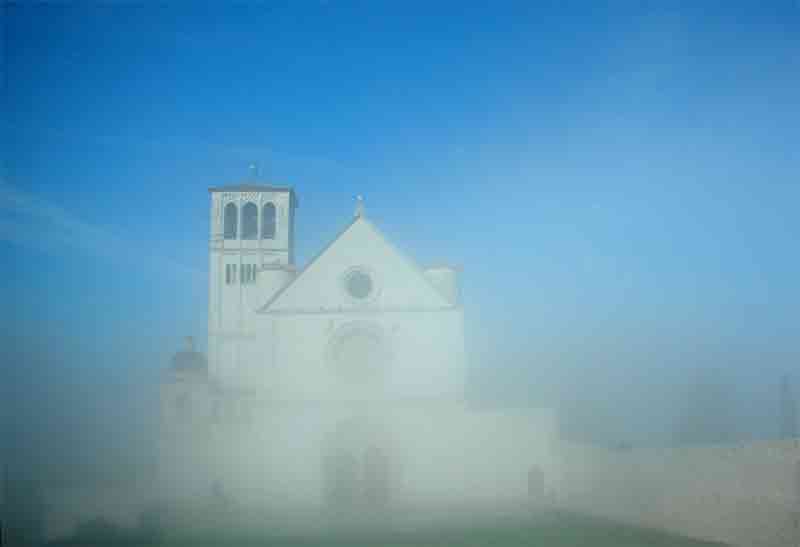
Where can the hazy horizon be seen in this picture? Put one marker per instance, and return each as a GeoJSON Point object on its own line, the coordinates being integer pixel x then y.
{"type": "Point", "coordinates": [618, 185]}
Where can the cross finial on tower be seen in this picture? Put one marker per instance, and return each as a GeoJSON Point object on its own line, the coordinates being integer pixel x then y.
{"type": "Point", "coordinates": [359, 206]}
{"type": "Point", "coordinates": [253, 171]}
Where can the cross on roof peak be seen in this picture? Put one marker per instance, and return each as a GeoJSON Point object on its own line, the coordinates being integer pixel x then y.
{"type": "Point", "coordinates": [359, 206]}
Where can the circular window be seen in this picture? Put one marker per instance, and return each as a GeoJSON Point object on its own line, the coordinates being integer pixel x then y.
{"type": "Point", "coordinates": [358, 284]}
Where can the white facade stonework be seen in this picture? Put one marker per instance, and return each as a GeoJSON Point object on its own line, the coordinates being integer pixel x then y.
{"type": "Point", "coordinates": [342, 382]}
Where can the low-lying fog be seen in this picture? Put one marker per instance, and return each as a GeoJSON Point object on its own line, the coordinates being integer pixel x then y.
{"type": "Point", "coordinates": [620, 192]}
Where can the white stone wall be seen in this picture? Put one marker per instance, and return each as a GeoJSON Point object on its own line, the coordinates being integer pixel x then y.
{"type": "Point", "coordinates": [232, 305]}
{"type": "Point", "coordinates": [439, 453]}
{"type": "Point", "coordinates": [426, 356]}
{"type": "Point", "coordinates": [397, 283]}
{"type": "Point", "coordinates": [453, 456]}
{"type": "Point", "coordinates": [741, 494]}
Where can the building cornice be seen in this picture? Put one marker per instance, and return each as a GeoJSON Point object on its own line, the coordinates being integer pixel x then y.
{"type": "Point", "coordinates": [357, 311]}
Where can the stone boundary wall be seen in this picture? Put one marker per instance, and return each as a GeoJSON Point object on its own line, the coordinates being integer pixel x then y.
{"type": "Point", "coordinates": [742, 494]}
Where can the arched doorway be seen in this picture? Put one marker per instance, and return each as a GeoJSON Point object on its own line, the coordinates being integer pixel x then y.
{"type": "Point", "coordinates": [536, 483]}
{"type": "Point", "coordinates": [376, 477]}
{"type": "Point", "coordinates": [356, 468]}
{"type": "Point", "coordinates": [341, 479]}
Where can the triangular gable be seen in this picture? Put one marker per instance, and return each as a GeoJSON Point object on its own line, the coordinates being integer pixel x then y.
{"type": "Point", "coordinates": [397, 282]}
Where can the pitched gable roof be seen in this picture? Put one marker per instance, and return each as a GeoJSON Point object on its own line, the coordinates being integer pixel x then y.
{"type": "Point", "coordinates": [283, 289]}
{"type": "Point", "coordinates": [432, 298]}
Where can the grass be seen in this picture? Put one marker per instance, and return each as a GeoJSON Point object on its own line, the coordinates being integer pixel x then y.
{"type": "Point", "coordinates": [554, 529]}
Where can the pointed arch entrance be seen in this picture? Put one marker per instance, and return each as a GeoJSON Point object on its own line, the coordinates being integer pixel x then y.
{"type": "Point", "coordinates": [356, 468]}
{"type": "Point", "coordinates": [376, 476]}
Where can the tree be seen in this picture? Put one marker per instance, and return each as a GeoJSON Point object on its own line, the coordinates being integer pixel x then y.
{"type": "Point", "coordinates": [24, 512]}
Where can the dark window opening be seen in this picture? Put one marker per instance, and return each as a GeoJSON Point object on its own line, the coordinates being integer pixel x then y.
{"type": "Point", "coordinates": [250, 221]}
{"type": "Point", "coordinates": [248, 274]}
{"type": "Point", "coordinates": [359, 284]}
{"type": "Point", "coordinates": [268, 221]}
{"type": "Point", "coordinates": [230, 221]}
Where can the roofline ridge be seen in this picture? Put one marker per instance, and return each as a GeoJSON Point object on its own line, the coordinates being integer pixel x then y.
{"type": "Point", "coordinates": [407, 259]}
{"type": "Point", "coordinates": [283, 289]}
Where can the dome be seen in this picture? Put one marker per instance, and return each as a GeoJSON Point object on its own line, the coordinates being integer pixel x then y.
{"type": "Point", "coordinates": [189, 360]}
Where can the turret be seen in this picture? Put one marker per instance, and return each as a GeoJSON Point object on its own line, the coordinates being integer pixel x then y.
{"type": "Point", "coordinates": [184, 388]}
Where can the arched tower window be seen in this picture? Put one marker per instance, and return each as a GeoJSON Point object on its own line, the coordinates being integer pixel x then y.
{"type": "Point", "coordinates": [250, 221]}
{"type": "Point", "coordinates": [230, 221]}
{"type": "Point", "coordinates": [268, 221]}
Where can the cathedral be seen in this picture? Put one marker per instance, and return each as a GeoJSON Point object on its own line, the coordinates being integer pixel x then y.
{"type": "Point", "coordinates": [337, 384]}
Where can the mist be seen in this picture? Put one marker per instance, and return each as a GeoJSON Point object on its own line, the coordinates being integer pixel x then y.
{"type": "Point", "coordinates": [613, 194]}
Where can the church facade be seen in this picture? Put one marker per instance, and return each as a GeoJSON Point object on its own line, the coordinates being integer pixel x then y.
{"type": "Point", "coordinates": [340, 383]}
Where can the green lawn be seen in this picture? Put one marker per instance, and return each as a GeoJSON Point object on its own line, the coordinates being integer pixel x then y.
{"type": "Point", "coordinates": [552, 529]}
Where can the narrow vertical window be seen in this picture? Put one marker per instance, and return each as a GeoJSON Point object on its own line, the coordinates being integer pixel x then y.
{"type": "Point", "coordinates": [268, 221]}
{"type": "Point", "coordinates": [233, 273]}
{"type": "Point", "coordinates": [227, 274]}
{"type": "Point", "coordinates": [230, 221]}
{"type": "Point", "coordinates": [250, 221]}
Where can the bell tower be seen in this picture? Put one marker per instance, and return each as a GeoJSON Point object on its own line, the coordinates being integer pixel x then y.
{"type": "Point", "coordinates": [251, 257]}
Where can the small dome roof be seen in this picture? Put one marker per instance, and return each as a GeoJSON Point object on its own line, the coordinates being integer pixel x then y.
{"type": "Point", "coordinates": [189, 360]}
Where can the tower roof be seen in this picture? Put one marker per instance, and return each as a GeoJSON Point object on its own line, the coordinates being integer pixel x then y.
{"type": "Point", "coordinates": [251, 187]}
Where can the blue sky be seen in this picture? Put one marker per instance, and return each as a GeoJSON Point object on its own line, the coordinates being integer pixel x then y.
{"type": "Point", "coordinates": [619, 184]}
